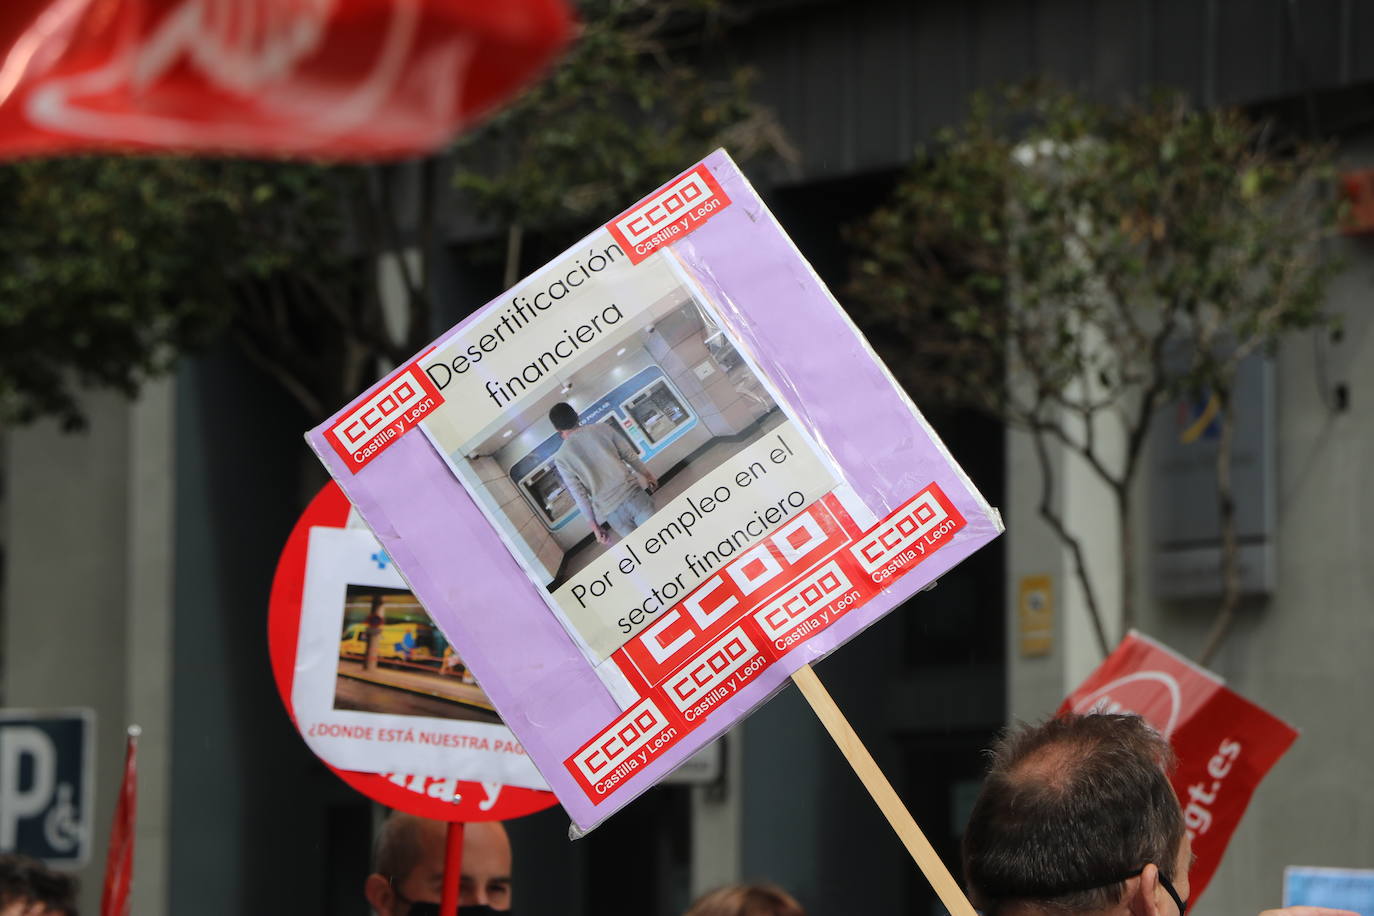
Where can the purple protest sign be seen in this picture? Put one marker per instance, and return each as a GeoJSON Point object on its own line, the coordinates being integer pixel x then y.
{"type": "Point", "coordinates": [651, 481]}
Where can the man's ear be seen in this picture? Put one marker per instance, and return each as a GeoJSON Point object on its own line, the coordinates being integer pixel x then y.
{"type": "Point", "coordinates": [377, 890]}
{"type": "Point", "coordinates": [1143, 892]}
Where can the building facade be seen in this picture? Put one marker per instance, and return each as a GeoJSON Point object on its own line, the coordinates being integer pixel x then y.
{"type": "Point", "coordinates": [139, 555]}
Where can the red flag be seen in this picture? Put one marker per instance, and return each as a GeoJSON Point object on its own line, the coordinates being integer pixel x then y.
{"type": "Point", "coordinates": [1224, 743]}
{"type": "Point", "coordinates": [119, 861]}
{"type": "Point", "coordinates": [339, 79]}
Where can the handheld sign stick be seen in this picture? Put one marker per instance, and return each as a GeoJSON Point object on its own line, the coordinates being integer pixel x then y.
{"type": "Point", "coordinates": [453, 867]}
{"type": "Point", "coordinates": [877, 785]}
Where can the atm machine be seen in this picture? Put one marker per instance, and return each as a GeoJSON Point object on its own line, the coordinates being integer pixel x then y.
{"type": "Point", "coordinates": [657, 410]}
{"type": "Point", "coordinates": [544, 490]}
{"type": "Point", "coordinates": [646, 410]}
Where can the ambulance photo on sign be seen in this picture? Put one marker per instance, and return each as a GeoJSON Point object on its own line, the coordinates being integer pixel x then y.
{"type": "Point", "coordinates": [393, 659]}
{"type": "Point", "coordinates": [376, 686]}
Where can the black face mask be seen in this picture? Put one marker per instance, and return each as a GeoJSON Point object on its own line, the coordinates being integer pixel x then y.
{"type": "Point", "coordinates": [432, 909]}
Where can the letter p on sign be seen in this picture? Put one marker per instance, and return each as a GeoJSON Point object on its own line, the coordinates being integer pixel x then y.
{"type": "Point", "coordinates": [17, 800]}
{"type": "Point", "coordinates": [45, 784]}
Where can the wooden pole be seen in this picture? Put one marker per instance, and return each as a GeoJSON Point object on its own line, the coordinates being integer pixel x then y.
{"type": "Point", "coordinates": [453, 868]}
{"type": "Point", "coordinates": [948, 890]}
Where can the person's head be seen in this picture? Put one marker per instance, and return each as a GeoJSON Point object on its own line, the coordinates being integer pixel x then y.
{"type": "Point", "coordinates": [29, 888]}
{"type": "Point", "coordinates": [747, 900]}
{"type": "Point", "coordinates": [1076, 816]}
{"type": "Point", "coordinates": [408, 867]}
{"type": "Point", "coordinates": [563, 417]}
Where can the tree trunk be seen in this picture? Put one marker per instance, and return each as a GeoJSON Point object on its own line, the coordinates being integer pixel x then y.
{"type": "Point", "coordinates": [1126, 540]}
{"type": "Point", "coordinates": [515, 237]}
{"type": "Point", "coordinates": [421, 329]}
{"type": "Point", "coordinates": [1066, 537]}
{"type": "Point", "coordinates": [1230, 549]}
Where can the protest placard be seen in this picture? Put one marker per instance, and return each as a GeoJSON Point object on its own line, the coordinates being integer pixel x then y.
{"type": "Point", "coordinates": [733, 486]}
{"type": "Point", "coordinates": [1224, 743]}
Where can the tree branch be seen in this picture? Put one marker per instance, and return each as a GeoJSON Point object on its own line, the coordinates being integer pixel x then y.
{"type": "Point", "coordinates": [1075, 547]}
{"type": "Point", "coordinates": [421, 300]}
{"type": "Point", "coordinates": [294, 386]}
{"type": "Point", "coordinates": [1230, 549]}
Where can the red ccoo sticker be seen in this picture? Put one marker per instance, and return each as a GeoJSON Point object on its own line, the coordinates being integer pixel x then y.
{"type": "Point", "coordinates": [392, 409]}
{"type": "Point", "coordinates": [671, 212]}
{"type": "Point", "coordinates": [628, 744]}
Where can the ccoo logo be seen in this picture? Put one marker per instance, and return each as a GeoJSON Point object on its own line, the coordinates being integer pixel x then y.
{"type": "Point", "coordinates": [387, 412]}
{"type": "Point", "coordinates": [669, 213]}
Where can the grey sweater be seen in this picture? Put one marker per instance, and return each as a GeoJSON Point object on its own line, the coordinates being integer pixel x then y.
{"type": "Point", "coordinates": [595, 463]}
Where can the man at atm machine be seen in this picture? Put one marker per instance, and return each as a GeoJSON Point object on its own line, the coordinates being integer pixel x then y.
{"type": "Point", "coordinates": [606, 478]}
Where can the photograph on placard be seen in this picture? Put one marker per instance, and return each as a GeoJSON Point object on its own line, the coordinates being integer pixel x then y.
{"type": "Point", "coordinates": [629, 468]}
{"type": "Point", "coordinates": [393, 659]}
{"type": "Point", "coordinates": [378, 688]}
{"type": "Point", "coordinates": [663, 406]}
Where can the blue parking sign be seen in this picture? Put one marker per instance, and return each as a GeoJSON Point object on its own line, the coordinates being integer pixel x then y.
{"type": "Point", "coordinates": [46, 784]}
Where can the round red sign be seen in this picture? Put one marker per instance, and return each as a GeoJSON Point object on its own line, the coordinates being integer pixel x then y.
{"type": "Point", "coordinates": [440, 799]}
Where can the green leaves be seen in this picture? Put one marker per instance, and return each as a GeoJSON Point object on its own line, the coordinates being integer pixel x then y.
{"type": "Point", "coordinates": [1067, 266]}
{"type": "Point", "coordinates": [1059, 239]}
{"type": "Point", "coordinates": [110, 266]}
{"type": "Point", "coordinates": [628, 108]}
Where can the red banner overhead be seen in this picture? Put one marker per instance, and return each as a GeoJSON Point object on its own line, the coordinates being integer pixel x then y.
{"type": "Point", "coordinates": [1225, 744]}
{"type": "Point", "coordinates": [337, 79]}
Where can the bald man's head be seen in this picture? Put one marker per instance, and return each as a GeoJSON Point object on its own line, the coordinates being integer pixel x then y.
{"type": "Point", "coordinates": [1070, 809]}
{"type": "Point", "coordinates": [486, 866]}
{"type": "Point", "coordinates": [408, 866]}
{"type": "Point", "coordinates": [402, 842]}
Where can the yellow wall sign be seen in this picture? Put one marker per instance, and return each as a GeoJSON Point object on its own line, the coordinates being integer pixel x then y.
{"type": "Point", "coordinates": [1035, 615]}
